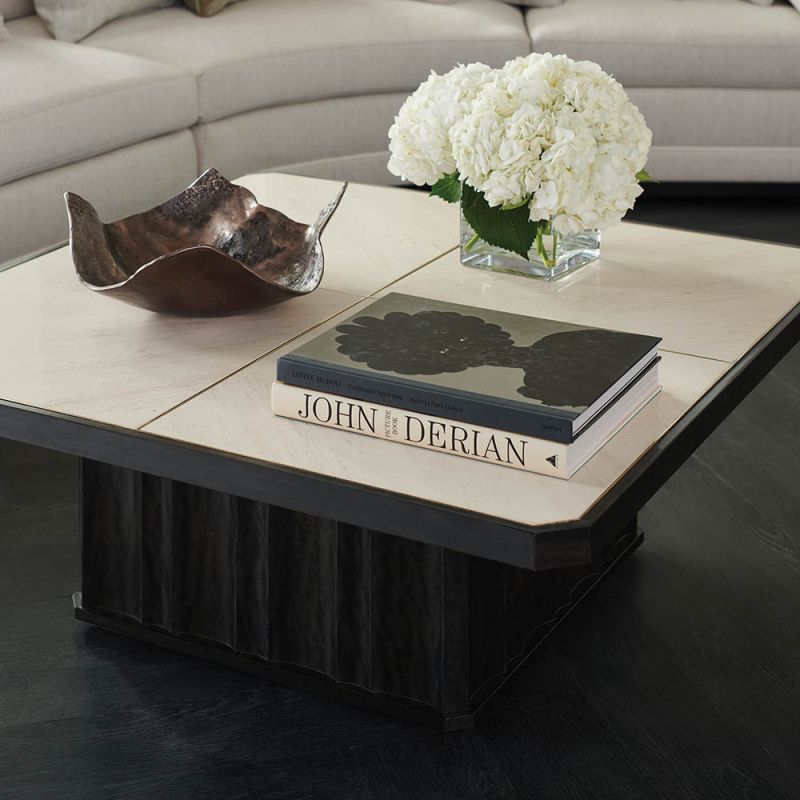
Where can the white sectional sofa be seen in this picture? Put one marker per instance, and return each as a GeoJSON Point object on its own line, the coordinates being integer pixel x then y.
{"type": "Point", "coordinates": [136, 110]}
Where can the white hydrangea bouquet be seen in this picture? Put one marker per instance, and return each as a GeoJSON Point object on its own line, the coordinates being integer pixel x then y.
{"type": "Point", "coordinates": [542, 154]}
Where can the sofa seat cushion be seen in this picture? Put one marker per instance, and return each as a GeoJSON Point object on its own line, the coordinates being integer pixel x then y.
{"type": "Point", "coordinates": [28, 26]}
{"type": "Point", "coordinates": [709, 43]}
{"type": "Point", "coordinates": [263, 53]}
{"type": "Point", "coordinates": [60, 103]}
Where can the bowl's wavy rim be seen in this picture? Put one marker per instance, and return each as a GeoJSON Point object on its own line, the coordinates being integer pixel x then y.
{"type": "Point", "coordinates": [320, 224]}
{"type": "Point", "coordinates": [200, 247]}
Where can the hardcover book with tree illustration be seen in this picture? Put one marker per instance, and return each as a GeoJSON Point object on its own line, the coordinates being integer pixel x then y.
{"type": "Point", "coordinates": [538, 377]}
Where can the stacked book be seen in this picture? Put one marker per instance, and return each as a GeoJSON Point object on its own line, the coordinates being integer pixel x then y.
{"type": "Point", "coordinates": [508, 389]}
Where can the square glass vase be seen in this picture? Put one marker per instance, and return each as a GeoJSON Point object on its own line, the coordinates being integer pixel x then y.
{"type": "Point", "coordinates": [563, 256]}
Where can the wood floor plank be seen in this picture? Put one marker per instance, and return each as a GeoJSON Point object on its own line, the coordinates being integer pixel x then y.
{"type": "Point", "coordinates": [69, 759]}
{"type": "Point", "coordinates": [7, 502]}
{"type": "Point", "coordinates": [769, 219]}
{"type": "Point", "coordinates": [788, 370]}
{"type": "Point", "coordinates": [436, 765]}
{"type": "Point", "coordinates": [37, 573]}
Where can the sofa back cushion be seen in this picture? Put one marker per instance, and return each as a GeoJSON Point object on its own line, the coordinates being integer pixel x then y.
{"type": "Point", "coordinates": [11, 9]}
{"type": "Point", "coordinates": [72, 20]}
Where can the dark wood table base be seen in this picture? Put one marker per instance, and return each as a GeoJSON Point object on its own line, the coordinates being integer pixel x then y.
{"type": "Point", "coordinates": [406, 628]}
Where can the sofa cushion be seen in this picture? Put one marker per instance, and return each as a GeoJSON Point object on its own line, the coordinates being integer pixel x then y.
{"type": "Point", "coordinates": [11, 9]}
{"type": "Point", "coordinates": [712, 43]}
{"type": "Point", "coordinates": [28, 26]}
{"type": "Point", "coordinates": [261, 53]}
{"type": "Point", "coordinates": [70, 21]}
{"type": "Point", "coordinates": [60, 103]}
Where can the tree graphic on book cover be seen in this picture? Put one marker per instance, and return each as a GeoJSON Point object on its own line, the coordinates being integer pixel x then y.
{"type": "Point", "coordinates": [569, 368]}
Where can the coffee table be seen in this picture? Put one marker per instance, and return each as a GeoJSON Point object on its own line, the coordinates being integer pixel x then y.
{"type": "Point", "coordinates": [396, 578]}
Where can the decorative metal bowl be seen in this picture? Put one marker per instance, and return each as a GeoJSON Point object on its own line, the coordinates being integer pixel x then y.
{"type": "Point", "coordinates": [210, 250]}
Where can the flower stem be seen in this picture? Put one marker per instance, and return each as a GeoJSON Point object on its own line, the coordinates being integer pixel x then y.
{"type": "Point", "coordinates": [548, 260]}
{"type": "Point", "coordinates": [471, 243]}
{"type": "Point", "coordinates": [541, 252]}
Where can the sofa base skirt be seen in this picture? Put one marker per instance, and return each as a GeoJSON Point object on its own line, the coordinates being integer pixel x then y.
{"type": "Point", "coordinates": [705, 135]}
{"type": "Point", "coordinates": [723, 165]}
{"type": "Point", "coordinates": [699, 134]}
{"type": "Point", "coordinates": [320, 133]}
{"type": "Point", "coordinates": [361, 168]}
{"type": "Point", "coordinates": [119, 183]}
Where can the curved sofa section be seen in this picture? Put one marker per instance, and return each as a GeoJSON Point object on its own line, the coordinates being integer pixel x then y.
{"type": "Point", "coordinates": [134, 112]}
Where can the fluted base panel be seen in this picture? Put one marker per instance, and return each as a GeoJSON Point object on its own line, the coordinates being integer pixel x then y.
{"type": "Point", "coordinates": [407, 628]}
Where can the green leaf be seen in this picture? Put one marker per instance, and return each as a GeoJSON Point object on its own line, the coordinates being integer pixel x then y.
{"type": "Point", "coordinates": [643, 176]}
{"type": "Point", "coordinates": [448, 188]}
{"type": "Point", "coordinates": [510, 229]}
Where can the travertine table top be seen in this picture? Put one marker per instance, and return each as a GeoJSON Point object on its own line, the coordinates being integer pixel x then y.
{"type": "Point", "coordinates": [206, 382]}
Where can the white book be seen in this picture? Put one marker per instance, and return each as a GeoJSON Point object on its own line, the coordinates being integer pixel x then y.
{"type": "Point", "coordinates": [459, 438]}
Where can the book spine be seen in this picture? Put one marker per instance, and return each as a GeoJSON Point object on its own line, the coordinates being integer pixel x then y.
{"type": "Point", "coordinates": [527, 421]}
{"type": "Point", "coordinates": [421, 430]}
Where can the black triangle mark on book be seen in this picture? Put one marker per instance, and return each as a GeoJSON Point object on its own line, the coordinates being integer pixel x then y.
{"type": "Point", "coordinates": [553, 460]}
{"type": "Point", "coordinates": [543, 378]}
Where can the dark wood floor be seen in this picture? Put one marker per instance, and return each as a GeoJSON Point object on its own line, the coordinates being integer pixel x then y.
{"type": "Point", "coordinates": [679, 679]}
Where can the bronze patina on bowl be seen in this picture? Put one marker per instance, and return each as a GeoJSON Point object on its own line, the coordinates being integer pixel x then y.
{"type": "Point", "coordinates": [211, 250]}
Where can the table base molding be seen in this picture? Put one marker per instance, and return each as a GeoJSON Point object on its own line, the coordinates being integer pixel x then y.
{"type": "Point", "coordinates": [406, 628]}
